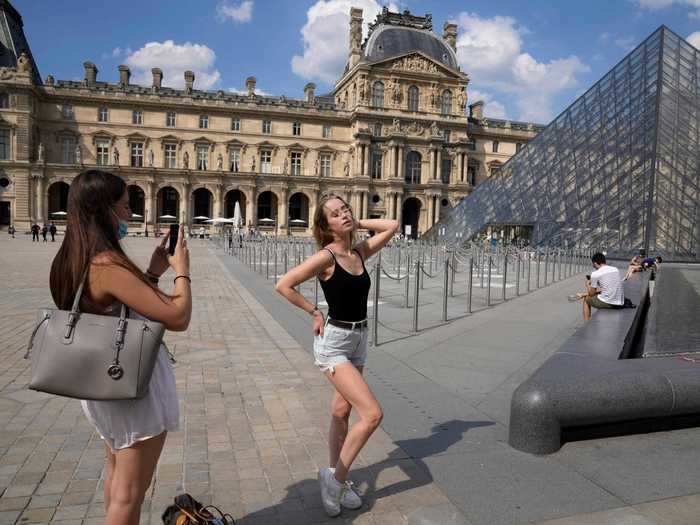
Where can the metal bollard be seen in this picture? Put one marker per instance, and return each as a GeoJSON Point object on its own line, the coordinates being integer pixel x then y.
{"type": "Point", "coordinates": [517, 276]}
{"type": "Point", "coordinates": [537, 258]}
{"type": "Point", "coordinates": [481, 269]}
{"type": "Point", "coordinates": [375, 320]}
{"type": "Point", "coordinates": [267, 261]}
{"type": "Point", "coordinates": [488, 284]}
{"type": "Point", "coordinates": [286, 261]}
{"type": "Point", "coordinates": [529, 270]}
{"type": "Point", "coordinates": [421, 276]}
{"type": "Point", "coordinates": [505, 275]}
{"type": "Point", "coordinates": [546, 266]}
{"type": "Point", "coordinates": [445, 289]}
{"type": "Point", "coordinates": [470, 285]}
{"type": "Point", "coordinates": [408, 278]}
{"type": "Point", "coordinates": [453, 271]}
{"type": "Point", "coordinates": [416, 288]}
{"type": "Point", "coordinates": [275, 263]}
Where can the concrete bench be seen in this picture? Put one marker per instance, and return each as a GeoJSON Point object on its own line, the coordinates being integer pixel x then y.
{"type": "Point", "coordinates": [591, 381]}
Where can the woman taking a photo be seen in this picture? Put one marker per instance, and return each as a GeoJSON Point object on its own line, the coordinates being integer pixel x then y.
{"type": "Point", "coordinates": [133, 430]}
{"type": "Point", "coordinates": [340, 341]}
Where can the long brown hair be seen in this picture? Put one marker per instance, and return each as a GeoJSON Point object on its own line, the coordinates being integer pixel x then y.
{"type": "Point", "coordinates": [89, 231]}
{"type": "Point", "coordinates": [321, 230]}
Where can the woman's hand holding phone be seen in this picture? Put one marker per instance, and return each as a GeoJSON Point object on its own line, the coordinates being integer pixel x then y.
{"type": "Point", "coordinates": [180, 259]}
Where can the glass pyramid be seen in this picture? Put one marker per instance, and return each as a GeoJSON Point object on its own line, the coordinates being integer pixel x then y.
{"type": "Point", "coordinates": [618, 170]}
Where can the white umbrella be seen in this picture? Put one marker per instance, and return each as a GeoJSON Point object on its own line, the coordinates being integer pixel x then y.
{"type": "Point", "coordinates": [297, 221]}
{"type": "Point", "coordinates": [201, 218]}
{"type": "Point", "coordinates": [266, 219]}
{"type": "Point", "coordinates": [136, 215]}
{"type": "Point", "coordinates": [220, 220]}
{"type": "Point", "coordinates": [59, 213]}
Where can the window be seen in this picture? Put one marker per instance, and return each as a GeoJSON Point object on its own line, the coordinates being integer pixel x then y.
{"type": "Point", "coordinates": [136, 149]}
{"type": "Point", "coordinates": [170, 157]}
{"type": "Point", "coordinates": [413, 168]}
{"type": "Point", "coordinates": [494, 146]}
{"type": "Point", "coordinates": [235, 160]}
{"type": "Point", "coordinates": [376, 167]}
{"type": "Point", "coordinates": [377, 129]}
{"type": "Point", "coordinates": [445, 170]}
{"type": "Point", "coordinates": [471, 145]}
{"type": "Point", "coordinates": [67, 111]}
{"type": "Point", "coordinates": [4, 101]}
{"type": "Point", "coordinates": [266, 161]}
{"type": "Point", "coordinates": [235, 124]}
{"type": "Point", "coordinates": [202, 156]}
{"type": "Point", "coordinates": [68, 149]}
{"type": "Point", "coordinates": [446, 135]}
{"type": "Point", "coordinates": [413, 96]}
{"type": "Point", "coordinates": [326, 131]}
{"type": "Point", "coordinates": [296, 128]}
{"type": "Point", "coordinates": [102, 152]}
{"type": "Point", "coordinates": [471, 173]}
{"type": "Point", "coordinates": [4, 144]}
{"type": "Point", "coordinates": [518, 146]}
{"type": "Point", "coordinates": [170, 119]}
{"type": "Point", "coordinates": [446, 102]}
{"type": "Point", "coordinates": [378, 94]}
{"type": "Point", "coordinates": [494, 169]}
{"type": "Point", "coordinates": [295, 157]}
{"type": "Point", "coordinates": [203, 121]}
{"type": "Point", "coordinates": [267, 126]}
{"type": "Point", "coordinates": [137, 116]}
{"type": "Point", "coordinates": [325, 165]}
{"type": "Point", "coordinates": [103, 114]}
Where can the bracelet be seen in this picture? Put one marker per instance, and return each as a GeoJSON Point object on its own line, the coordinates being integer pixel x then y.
{"type": "Point", "coordinates": [315, 310]}
{"type": "Point", "coordinates": [184, 277]}
{"type": "Point", "coordinates": [152, 277]}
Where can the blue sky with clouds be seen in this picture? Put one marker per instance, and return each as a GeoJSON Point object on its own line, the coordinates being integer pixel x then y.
{"type": "Point", "coordinates": [527, 59]}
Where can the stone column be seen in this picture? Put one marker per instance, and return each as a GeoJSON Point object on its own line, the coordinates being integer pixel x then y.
{"type": "Point", "coordinates": [365, 204]}
{"type": "Point", "coordinates": [401, 162]}
{"type": "Point", "coordinates": [365, 168]}
{"type": "Point", "coordinates": [399, 207]}
{"type": "Point", "coordinates": [431, 164]}
{"type": "Point", "coordinates": [185, 204]}
{"type": "Point", "coordinates": [219, 201]}
{"type": "Point", "coordinates": [151, 204]}
{"type": "Point", "coordinates": [41, 199]}
{"type": "Point", "coordinates": [438, 205]}
{"type": "Point", "coordinates": [438, 164]}
{"type": "Point", "coordinates": [282, 210]}
{"type": "Point", "coordinates": [390, 156]}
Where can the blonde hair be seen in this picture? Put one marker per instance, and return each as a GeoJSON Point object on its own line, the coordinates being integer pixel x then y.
{"type": "Point", "coordinates": [321, 230]}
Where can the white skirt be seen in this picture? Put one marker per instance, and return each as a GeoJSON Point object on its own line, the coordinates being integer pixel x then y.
{"type": "Point", "coordinates": [125, 422]}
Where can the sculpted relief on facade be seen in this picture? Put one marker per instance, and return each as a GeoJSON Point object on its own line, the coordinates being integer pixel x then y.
{"type": "Point", "coordinates": [415, 63]}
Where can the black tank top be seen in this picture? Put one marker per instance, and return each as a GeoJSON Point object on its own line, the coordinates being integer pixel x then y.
{"type": "Point", "coordinates": [346, 294]}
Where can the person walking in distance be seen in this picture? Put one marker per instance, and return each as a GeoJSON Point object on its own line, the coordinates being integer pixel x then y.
{"type": "Point", "coordinates": [340, 341]}
{"type": "Point", "coordinates": [35, 232]}
{"type": "Point", "coordinates": [11, 230]}
{"type": "Point", "coordinates": [133, 430]}
{"type": "Point", "coordinates": [52, 231]}
{"type": "Point", "coordinates": [44, 232]}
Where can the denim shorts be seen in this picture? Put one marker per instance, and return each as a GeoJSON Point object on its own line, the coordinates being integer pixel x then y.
{"type": "Point", "coordinates": [340, 345]}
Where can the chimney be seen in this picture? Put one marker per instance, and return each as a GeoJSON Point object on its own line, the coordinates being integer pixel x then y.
{"type": "Point", "coordinates": [355, 35]}
{"type": "Point", "coordinates": [189, 81]}
{"type": "Point", "coordinates": [449, 35]}
{"type": "Point", "coordinates": [476, 110]}
{"type": "Point", "coordinates": [157, 78]}
{"type": "Point", "coordinates": [250, 86]}
{"type": "Point", "coordinates": [124, 75]}
{"type": "Point", "coordinates": [90, 73]}
{"type": "Point", "coordinates": [309, 92]}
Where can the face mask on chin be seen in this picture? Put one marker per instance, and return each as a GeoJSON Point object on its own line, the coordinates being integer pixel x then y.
{"type": "Point", "coordinates": [123, 227]}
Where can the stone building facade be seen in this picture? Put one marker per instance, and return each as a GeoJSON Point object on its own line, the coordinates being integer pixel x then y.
{"type": "Point", "coordinates": [396, 138]}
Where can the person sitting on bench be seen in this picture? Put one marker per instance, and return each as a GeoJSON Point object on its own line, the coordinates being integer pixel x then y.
{"type": "Point", "coordinates": [604, 288]}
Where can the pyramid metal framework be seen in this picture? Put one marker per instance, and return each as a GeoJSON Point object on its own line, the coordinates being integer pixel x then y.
{"type": "Point", "coordinates": [618, 169]}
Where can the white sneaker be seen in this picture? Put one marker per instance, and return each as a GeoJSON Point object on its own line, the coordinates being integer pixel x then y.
{"type": "Point", "coordinates": [331, 492]}
{"type": "Point", "coordinates": [351, 499]}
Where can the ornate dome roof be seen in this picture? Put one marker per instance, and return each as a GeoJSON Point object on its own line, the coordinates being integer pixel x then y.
{"type": "Point", "coordinates": [387, 41]}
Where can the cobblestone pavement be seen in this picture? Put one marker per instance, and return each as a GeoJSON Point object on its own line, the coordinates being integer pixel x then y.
{"type": "Point", "coordinates": [253, 417]}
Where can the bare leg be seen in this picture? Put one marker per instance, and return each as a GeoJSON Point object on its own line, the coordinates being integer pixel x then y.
{"type": "Point", "coordinates": [348, 381]}
{"type": "Point", "coordinates": [110, 460]}
{"type": "Point", "coordinates": [586, 310]}
{"type": "Point", "coordinates": [134, 467]}
{"type": "Point", "coordinates": [340, 414]}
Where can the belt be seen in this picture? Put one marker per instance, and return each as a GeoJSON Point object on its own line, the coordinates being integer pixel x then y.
{"type": "Point", "coordinates": [350, 325]}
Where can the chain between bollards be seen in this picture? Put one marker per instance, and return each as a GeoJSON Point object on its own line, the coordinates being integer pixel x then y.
{"type": "Point", "coordinates": [470, 284]}
{"type": "Point", "coordinates": [488, 283]}
{"type": "Point", "coordinates": [445, 289]}
{"type": "Point", "coordinates": [517, 275]}
{"type": "Point", "coordinates": [505, 275]}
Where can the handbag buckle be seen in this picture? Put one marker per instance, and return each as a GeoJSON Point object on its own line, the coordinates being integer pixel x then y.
{"type": "Point", "coordinates": [115, 371]}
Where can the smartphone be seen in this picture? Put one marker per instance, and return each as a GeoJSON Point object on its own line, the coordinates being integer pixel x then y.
{"type": "Point", "coordinates": [172, 240]}
{"type": "Point", "coordinates": [588, 277]}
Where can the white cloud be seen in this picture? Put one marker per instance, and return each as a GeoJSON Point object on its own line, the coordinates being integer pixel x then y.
{"type": "Point", "coordinates": [174, 59]}
{"type": "Point", "coordinates": [325, 37]}
{"type": "Point", "coordinates": [627, 43]}
{"type": "Point", "coordinates": [662, 4]}
{"type": "Point", "coordinates": [238, 13]}
{"type": "Point", "coordinates": [492, 108]}
{"type": "Point", "coordinates": [260, 92]}
{"type": "Point", "coordinates": [490, 50]}
{"type": "Point", "coordinates": [694, 39]}
{"type": "Point", "coordinates": [117, 52]}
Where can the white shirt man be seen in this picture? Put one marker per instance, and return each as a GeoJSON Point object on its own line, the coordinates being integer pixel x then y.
{"type": "Point", "coordinates": [607, 279]}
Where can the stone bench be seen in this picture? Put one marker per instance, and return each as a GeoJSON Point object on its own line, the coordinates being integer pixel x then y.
{"type": "Point", "coordinates": [591, 381]}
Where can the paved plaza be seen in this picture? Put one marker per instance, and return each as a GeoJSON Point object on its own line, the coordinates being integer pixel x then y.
{"type": "Point", "coordinates": [254, 417]}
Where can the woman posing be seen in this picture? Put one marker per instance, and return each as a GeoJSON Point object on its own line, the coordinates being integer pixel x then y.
{"type": "Point", "coordinates": [133, 430]}
{"type": "Point", "coordinates": [340, 341]}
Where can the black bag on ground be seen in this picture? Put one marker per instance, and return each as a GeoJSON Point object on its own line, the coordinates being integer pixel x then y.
{"type": "Point", "coordinates": [629, 304]}
{"type": "Point", "coordinates": [188, 511]}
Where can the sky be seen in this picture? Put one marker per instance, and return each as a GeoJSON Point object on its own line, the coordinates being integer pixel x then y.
{"type": "Point", "coordinates": [527, 59]}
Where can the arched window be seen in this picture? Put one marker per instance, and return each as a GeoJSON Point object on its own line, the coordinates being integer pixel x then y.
{"type": "Point", "coordinates": [413, 97]}
{"type": "Point", "coordinates": [413, 168]}
{"type": "Point", "coordinates": [4, 101]}
{"type": "Point", "coordinates": [446, 107]}
{"type": "Point", "coordinates": [378, 94]}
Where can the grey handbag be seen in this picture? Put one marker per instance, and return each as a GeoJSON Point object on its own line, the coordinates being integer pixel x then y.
{"type": "Point", "coordinates": [88, 356]}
